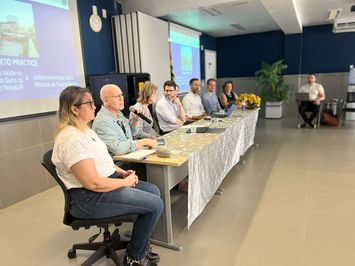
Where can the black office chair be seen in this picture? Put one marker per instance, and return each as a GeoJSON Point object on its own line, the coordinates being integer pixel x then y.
{"type": "Point", "coordinates": [110, 243]}
{"type": "Point", "coordinates": [350, 98]}
{"type": "Point", "coordinates": [156, 122]}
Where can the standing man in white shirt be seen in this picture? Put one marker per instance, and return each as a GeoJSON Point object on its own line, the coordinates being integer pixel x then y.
{"type": "Point", "coordinates": [316, 95]}
{"type": "Point", "coordinates": [192, 101]}
{"type": "Point", "coordinates": [170, 112]}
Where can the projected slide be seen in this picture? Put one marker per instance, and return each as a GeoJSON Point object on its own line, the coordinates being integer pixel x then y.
{"type": "Point", "coordinates": [185, 49]}
{"type": "Point", "coordinates": [38, 55]}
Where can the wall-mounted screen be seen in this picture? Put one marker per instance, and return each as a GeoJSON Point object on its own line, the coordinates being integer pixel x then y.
{"type": "Point", "coordinates": [185, 55]}
{"type": "Point", "coordinates": [40, 54]}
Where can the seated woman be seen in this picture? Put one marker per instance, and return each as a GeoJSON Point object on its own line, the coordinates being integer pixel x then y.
{"type": "Point", "coordinates": [97, 187]}
{"type": "Point", "coordinates": [147, 96]}
{"type": "Point", "coordinates": [227, 97]}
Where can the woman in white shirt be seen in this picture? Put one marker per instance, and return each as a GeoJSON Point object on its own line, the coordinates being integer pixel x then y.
{"type": "Point", "coordinates": [97, 187]}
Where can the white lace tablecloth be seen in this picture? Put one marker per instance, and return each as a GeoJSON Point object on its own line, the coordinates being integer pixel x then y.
{"type": "Point", "coordinates": [209, 165]}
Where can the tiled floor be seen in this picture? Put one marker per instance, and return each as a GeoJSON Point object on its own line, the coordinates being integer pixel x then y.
{"type": "Point", "coordinates": [292, 203]}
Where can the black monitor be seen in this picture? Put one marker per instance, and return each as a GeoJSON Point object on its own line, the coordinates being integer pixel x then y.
{"type": "Point", "coordinates": [135, 83]}
{"type": "Point", "coordinates": [97, 82]}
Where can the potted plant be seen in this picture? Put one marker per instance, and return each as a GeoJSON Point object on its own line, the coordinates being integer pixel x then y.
{"type": "Point", "coordinates": [274, 90]}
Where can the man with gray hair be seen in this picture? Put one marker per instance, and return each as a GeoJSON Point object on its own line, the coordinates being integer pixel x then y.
{"type": "Point", "coordinates": [115, 130]}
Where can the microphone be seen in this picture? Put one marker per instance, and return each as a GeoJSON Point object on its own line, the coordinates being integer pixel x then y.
{"type": "Point", "coordinates": [146, 119]}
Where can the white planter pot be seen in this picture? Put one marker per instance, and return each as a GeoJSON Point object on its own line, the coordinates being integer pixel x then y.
{"type": "Point", "coordinates": [273, 110]}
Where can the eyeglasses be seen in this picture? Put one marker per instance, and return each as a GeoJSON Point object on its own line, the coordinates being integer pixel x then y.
{"type": "Point", "coordinates": [120, 96]}
{"type": "Point", "coordinates": [90, 103]}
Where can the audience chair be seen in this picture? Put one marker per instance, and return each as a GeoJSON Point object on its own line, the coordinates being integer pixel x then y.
{"type": "Point", "coordinates": [110, 243]}
{"type": "Point", "coordinates": [350, 98]}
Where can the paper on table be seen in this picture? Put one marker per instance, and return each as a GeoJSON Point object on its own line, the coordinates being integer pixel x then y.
{"type": "Point", "coordinates": [139, 154]}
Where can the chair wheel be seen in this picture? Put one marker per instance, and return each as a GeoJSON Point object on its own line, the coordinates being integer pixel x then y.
{"type": "Point", "coordinates": [71, 253]}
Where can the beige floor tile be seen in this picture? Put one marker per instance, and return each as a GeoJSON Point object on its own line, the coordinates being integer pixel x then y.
{"type": "Point", "coordinates": [277, 237]}
{"type": "Point", "coordinates": [332, 180]}
{"type": "Point", "coordinates": [330, 239]}
{"type": "Point", "coordinates": [332, 200]}
{"type": "Point", "coordinates": [286, 194]}
{"type": "Point", "coordinates": [289, 176]}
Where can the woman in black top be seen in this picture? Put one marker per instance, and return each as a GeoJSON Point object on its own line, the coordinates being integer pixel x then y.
{"type": "Point", "coordinates": [228, 97]}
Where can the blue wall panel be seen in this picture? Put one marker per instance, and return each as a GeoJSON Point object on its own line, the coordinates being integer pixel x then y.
{"type": "Point", "coordinates": [317, 50]}
{"type": "Point", "coordinates": [241, 56]}
{"type": "Point", "coordinates": [97, 47]}
{"type": "Point", "coordinates": [325, 51]}
{"type": "Point", "coordinates": [293, 52]}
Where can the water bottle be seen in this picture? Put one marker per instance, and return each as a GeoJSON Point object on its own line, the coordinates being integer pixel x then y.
{"type": "Point", "coordinates": [243, 105]}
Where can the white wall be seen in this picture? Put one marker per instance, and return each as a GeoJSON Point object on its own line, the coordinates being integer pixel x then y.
{"type": "Point", "coordinates": [154, 49]}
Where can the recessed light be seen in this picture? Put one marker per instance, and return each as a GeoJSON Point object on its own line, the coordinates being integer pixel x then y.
{"type": "Point", "coordinates": [212, 11]}
{"type": "Point", "coordinates": [238, 27]}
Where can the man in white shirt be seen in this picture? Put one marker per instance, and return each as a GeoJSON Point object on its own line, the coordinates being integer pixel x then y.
{"type": "Point", "coordinates": [316, 95]}
{"type": "Point", "coordinates": [192, 102]}
{"type": "Point", "coordinates": [169, 110]}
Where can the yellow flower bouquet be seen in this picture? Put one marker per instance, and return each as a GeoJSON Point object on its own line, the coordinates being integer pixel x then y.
{"type": "Point", "coordinates": [251, 100]}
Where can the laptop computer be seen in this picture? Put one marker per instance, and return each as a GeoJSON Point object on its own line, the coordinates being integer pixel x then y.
{"type": "Point", "coordinates": [302, 96]}
{"type": "Point", "coordinates": [229, 110]}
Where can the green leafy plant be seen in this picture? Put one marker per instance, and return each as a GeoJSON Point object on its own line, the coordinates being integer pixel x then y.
{"type": "Point", "coordinates": [272, 86]}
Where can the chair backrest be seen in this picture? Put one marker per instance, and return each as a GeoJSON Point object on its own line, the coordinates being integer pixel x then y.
{"type": "Point", "coordinates": [156, 121]}
{"type": "Point", "coordinates": [50, 167]}
{"type": "Point", "coordinates": [350, 97]}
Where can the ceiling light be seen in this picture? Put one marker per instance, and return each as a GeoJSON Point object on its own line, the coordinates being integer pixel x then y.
{"type": "Point", "coordinates": [333, 14]}
{"type": "Point", "coordinates": [240, 2]}
{"type": "Point", "coordinates": [212, 11]}
{"type": "Point", "coordinates": [238, 27]}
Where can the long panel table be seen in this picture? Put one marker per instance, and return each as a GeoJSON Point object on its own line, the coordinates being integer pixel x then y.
{"type": "Point", "coordinates": [205, 158]}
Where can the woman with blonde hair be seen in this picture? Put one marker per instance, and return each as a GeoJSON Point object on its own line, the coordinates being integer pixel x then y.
{"type": "Point", "coordinates": [97, 187]}
{"type": "Point", "coordinates": [147, 96]}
